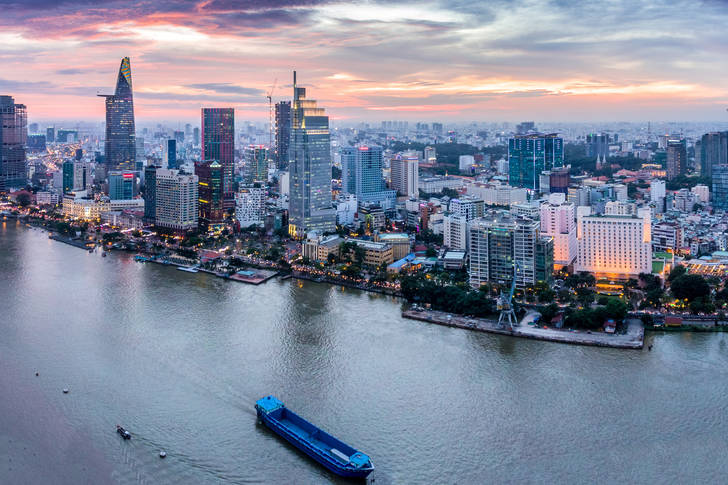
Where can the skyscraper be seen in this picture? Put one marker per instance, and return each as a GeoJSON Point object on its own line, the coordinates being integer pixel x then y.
{"type": "Point", "coordinates": [13, 140]}
{"type": "Point", "coordinates": [256, 164]}
{"type": "Point", "coordinates": [210, 193]}
{"type": "Point", "coordinates": [362, 172]}
{"type": "Point", "coordinates": [677, 157]}
{"type": "Point", "coordinates": [712, 150]}
{"type": "Point", "coordinates": [310, 168]}
{"type": "Point", "coordinates": [169, 155]}
{"type": "Point", "coordinates": [150, 193]}
{"type": "Point", "coordinates": [405, 175]}
{"type": "Point", "coordinates": [120, 145]}
{"type": "Point", "coordinates": [529, 155]}
{"type": "Point", "coordinates": [720, 186]}
{"type": "Point", "coordinates": [51, 134]}
{"type": "Point", "coordinates": [218, 142]}
{"type": "Point", "coordinates": [283, 133]}
{"type": "Point", "coordinates": [557, 221]}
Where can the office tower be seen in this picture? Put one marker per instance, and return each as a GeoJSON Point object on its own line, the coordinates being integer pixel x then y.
{"type": "Point", "coordinates": [33, 128]}
{"type": "Point", "coordinates": [369, 185]}
{"type": "Point", "coordinates": [120, 145]}
{"type": "Point", "coordinates": [348, 170]}
{"type": "Point", "coordinates": [50, 134]}
{"type": "Point", "coordinates": [657, 190]}
{"type": "Point", "coordinates": [497, 241]}
{"type": "Point", "coordinates": [169, 154]}
{"type": "Point", "coordinates": [76, 176]}
{"type": "Point", "coordinates": [37, 143]}
{"type": "Point", "coordinates": [255, 158]}
{"type": "Point", "coordinates": [283, 133]}
{"type": "Point", "coordinates": [529, 155]}
{"type": "Point", "coordinates": [720, 186]}
{"type": "Point", "coordinates": [176, 200]}
{"type": "Point", "coordinates": [597, 145]}
{"type": "Point", "coordinates": [250, 205]}
{"type": "Point", "coordinates": [615, 246]}
{"type": "Point", "coordinates": [13, 140]}
{"type": "Point", "coordinates": [677, 157]}
{"type": "Point", "coordinates": [150, 194]}
{"type": "Point", "coordinates": [122, 185]}
{"type": "Point", "coordinates": [179, 137]}
{"type": "Point", "coordinates": [210, 192]}
{"type": "Point", "coordinates": [188, 130]}
{"type": "Point", "coordinates": [559, 180]}
{"type": "Point", "coordinates": [712, 150]}
{"type": "Point", "coordinates": [218, 142]}
{"type": "Point", "coordinates": [196, 136]}
{"type": "Point", "coordinates": [405, 172]}
{"type": "Point", "coordinates": [310, 207]}
{"type": "Point", "coordinates": [437, 128]}
{"type": "Point", "coordinates": [557, 221]}
{"type": "Point", "coordinates": [141, 154]}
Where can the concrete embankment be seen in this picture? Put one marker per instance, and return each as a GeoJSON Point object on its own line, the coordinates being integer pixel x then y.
{"type": "Point", "coordinates": [632, 339]}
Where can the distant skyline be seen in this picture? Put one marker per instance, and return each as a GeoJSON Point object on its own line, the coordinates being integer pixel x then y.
{"type": "Point", "coordinates": [418, 61]}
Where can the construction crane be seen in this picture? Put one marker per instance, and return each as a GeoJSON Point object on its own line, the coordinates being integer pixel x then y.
{"type": "Point", "coordinates": [505, 304]}
{"type": "Point", "coordinates": [269, 95]}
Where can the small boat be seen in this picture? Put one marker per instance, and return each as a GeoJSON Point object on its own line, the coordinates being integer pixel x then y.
{"type": "Point", "coordinates": [335, 455]}
{"type": "Point", "coordinates": [190, 269]}
{"type": "Point", "coordinates": [103, 255]}
{"type": "Point", "coordinates": [124, 433]}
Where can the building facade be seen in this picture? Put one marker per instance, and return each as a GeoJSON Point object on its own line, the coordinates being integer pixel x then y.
{"type": "Point", "coordinates": [218, 142]}
{"type": "Point", "coordinates": [677, 158]}
{"type": "Point", "coordinates": [720, 186]}
{"type": "Point", "coordinates": [210, 193]}
{"type": "Point", "coordinates": [13, 141]}
{"type": "Point", "coordinates": [531, 154]}
{"type": "Point", "coordinates": [310, 205]}
{"type": "Point", "coordinates": [120, 143]}
{"type": "Point", "coordinates": [405, 174]}
{"type": "Point", "coordinates": [712, 150]}
{"type": "Point", "coordinates": [122, 185]}
{"type": "Point", "coordinates": [256, 164]}
{"type": "Point", "coordinates": [250, 205]}
{"type": "Point", "coordinates": [283, 134]}
{"type": "Point", "coordinates": [176, 200]}
{"type": "Point", "coordinates": [615, 246]}
{"type": "Point", "coordinates": [557, 218]}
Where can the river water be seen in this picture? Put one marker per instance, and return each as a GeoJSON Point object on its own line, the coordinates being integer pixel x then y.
{"type": "Point", "coordinates": [179, 360]}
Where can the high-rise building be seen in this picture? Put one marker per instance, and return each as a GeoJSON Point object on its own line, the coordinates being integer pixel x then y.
{"type": "Point", "coordinates": [310, 206]}
{"type": "Point", "coordinates": [557, 221]}
{"type": "Point", "coordinates": [150, 193]}
{"type": "Point", "coordinates": [712, 150]}
{"type": "Point", "coordinates": [33, 128]}
{"type": "Point", "coordinates": [76, 176]}
{"type": "Point", "coordinates": [529, 155]}
{"type": "Point", "coordinates": [250, 205]}
{"type": "Point", "coordinates": [218, 142]}
{"type": "Point", "coordinates": [362, 172]}
{"type": "Point", "coordinates": [122, 185]}
{"type": "Point", "coordinates": [406, 174]}
{"type": "Point", "coordinates": [283, 134]}
{"type": "Point", "coordinates": [50, 134]}
{"type": "Point", "coordinates": [720, 186]}
{"type": "Point", "coordinates": [13, 141]}
{"type": "Point", "coordinates": [179, 137]}
{"type": "Point", "coordinates": [657, 190]}
{"type": "Point", "coordinates": [210, 192]}
{"type": "Point", "coordinates": [176, 200]}
{"type": "Point", "coordinates": [255, 158]}
{"type": "Point", "coordinates": [120, 144]}
{"type": "Point", "coordinates": [196, 136]}
{"type": "Point", "coordinates": [498, 241]}
{"type": "Point", "coordinates": [615, 246]}
{"type": "Point", "coordinates": [461, 212]}
{"type": "Point", "coordinates": [169, 154]}
{"type": "Point", "coordinates": [597, 145]}
{"type": "Point", "coordinates": [430, 156]}
{"type": "Point", "coordinates": [37, 143]}
{"type": "Point", "coordinates": [677, 157]}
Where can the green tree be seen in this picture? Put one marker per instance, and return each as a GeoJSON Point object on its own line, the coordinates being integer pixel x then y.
{"type": "Point", "coordinates": [690, 287]}
{"type": "Point", "coordinates": [676, 272]}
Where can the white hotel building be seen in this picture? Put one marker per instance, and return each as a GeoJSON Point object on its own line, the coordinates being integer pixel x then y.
{"type": "Point", "coordinates": [615, 246]}
{"type": "Point", "coordinates": [176, 200]}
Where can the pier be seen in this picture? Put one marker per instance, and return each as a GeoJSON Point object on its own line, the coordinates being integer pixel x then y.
{"type": "Point", "coordinates": [632, 339]}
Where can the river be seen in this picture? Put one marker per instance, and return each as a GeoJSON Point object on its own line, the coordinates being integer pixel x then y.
{"type": "Point", "coordinates": [179, 360]}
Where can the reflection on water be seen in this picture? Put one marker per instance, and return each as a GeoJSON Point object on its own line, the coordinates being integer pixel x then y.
{"type": "Point", "coordinates": [180, 358]}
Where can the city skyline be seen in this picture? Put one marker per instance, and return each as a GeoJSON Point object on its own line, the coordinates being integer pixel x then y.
{"type": "Point", "coordinates": [431, 61]}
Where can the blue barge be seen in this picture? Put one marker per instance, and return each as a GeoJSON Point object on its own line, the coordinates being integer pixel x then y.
{"type": "Point", "coordinates": [335, 455]}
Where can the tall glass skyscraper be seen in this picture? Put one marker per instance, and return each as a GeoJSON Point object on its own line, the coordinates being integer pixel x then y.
{"type": "Point", "coordinates": [362, 175]}
{"type": "Point", "coordinates": [720, 186]}
{"type": "Point", "coordinates": [210, 193]}
{"type": "Point", "coordinates": [531, 154]}
{"type": "Point", "coordinates": [310, 207]}
{"type": "Point", "coordinates": [283, 133]}
{"type": "Point", "coordinates": [120, 145]}
{"type": "Point", "coordinates": [13, 140]}
{"type": "Point", "coordinates": [218, 142]}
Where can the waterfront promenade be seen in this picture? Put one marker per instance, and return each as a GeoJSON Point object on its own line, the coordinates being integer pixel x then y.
{"type": "Point", "coordinates": [632, 339]}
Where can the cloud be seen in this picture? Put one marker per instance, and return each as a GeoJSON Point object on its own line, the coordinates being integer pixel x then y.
{"type": "Point", "coordinates": [69, 71]}
{"type": "Point", "coordinates": [227, 88]}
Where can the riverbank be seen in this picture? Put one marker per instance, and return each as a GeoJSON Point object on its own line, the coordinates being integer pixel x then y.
{"type": "Point", "coordinates": [334, 281]}
{"type": "Point", "coordinates": [632, 339]}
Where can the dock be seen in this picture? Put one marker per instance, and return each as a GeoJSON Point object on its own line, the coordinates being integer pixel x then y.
{"type": "Point", "coordinates": [79, 243]}
{"type": "Point", "coordinates": [253, 277]}
{"type": "Point", "coordinates": [632, 339]}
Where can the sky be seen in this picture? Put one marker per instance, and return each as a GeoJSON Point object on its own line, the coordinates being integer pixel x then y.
{"type": "Point", "coordinates": [455, 60]}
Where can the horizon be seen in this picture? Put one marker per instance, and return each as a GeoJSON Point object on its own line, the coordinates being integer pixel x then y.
{"type": "Point", "coordinates": [449, 62]}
